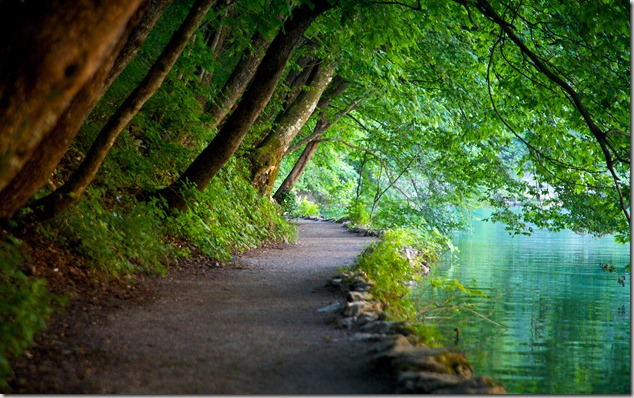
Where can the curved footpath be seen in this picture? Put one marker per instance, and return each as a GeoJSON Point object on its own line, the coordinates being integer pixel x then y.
{"type": "Point", "coordinates": [251, 328]}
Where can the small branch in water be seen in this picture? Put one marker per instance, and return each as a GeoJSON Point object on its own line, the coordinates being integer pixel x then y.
{"type": "Point", "coordinates": [454, 307]}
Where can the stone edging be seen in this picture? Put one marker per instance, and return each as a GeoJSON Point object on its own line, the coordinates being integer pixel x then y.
{"type": "Point", "coordinates": [417, 368]}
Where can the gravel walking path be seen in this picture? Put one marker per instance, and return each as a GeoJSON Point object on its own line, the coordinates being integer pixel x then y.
{"type": "Point", "coordinates": [250, 328]}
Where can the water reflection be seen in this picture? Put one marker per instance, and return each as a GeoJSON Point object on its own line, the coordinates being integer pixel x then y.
{"type": "Point", "coordinates": [567, 321]}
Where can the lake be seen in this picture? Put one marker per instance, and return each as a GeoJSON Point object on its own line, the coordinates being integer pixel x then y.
{"type": "Point", "coordinates": [566, 321]}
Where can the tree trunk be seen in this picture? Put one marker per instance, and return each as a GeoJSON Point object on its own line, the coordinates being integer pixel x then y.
{"type": "Point", "coordinates": [215, 41]}
{"type": "Point", "coordinates": [257, 96]}
{"type": "Point", "coordinates": [52, 148]}
{"type": "Point", "coordinates": [315, 139]}
{"type": "Point", "coordinates": [286, 94]}
{"type": "Point", "coordinates": [266, 158]}
{"type": "Point", "coordinates": [239, 80]}
{"type": "Point", "coordinates": [292, 178]}
{"type": "Point", "coordinates": [295, 81]}
{"type": "Point", "coordinates": [336, 88]}
{"type": "Point", "coordinates": [49, 49]}
{"type": "Point", "coordinates": [71, 191]}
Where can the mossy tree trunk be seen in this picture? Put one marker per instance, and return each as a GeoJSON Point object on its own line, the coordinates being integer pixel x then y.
{"type": "Point", "coordinates": [267, 157]}
{"type": "Point", "coordinates": [38, 169]}
{"type": "Point", "coordinates": [49, 51]}
{"type": "Point", "coordinates": [226, 142]}
{"type": "Point", "coordinates": [69, 193]}
{"type": "Point", "coordinates": [286, 94]}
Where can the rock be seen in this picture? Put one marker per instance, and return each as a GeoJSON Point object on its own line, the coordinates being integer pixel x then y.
{"type": "Point", "coordinates": [332, 307]}
{"type": "Point", "coordinates": [419, 369]}
{"type": "Point", "coordinates": [366, 318]}
{"type": "Point", "coordinates": [359, 296]}
{"type": "Point", "coordinates": [410, 382]}
{"type": "Point", "coordinates": [421, 358]}
{"type": "Point", "coordinates": [389, 342]}
{"type": "Point", "coordinates": [358, 280]}
{"type": "Point", "coordinates": [362, 287]}
{"type": "Point", "coordinates": [370, 337]}
{"type": "Point", "coordinates": [359, 307]}
{"type": "Point", "coordinates": [347, 323]}
{"type": "Point", "coordinates": [388, 327]}
{"type": "Point", "coordinates": [383, 327]}
{"type": "Point", "coordinates": [467, 388]}
{"type": "Point", "coordinates": [438, 383]}
{"type": "Point", "coordinates": [336, 281]}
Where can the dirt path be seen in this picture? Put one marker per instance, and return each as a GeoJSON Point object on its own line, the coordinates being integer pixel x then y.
{"type": "Point", "coordinates": [249, 329]}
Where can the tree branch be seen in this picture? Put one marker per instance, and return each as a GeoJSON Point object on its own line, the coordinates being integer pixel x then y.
{"type": "Point", "coordinates": [489, 12]}
{"type": "Point", "coordinates": [417, 7]}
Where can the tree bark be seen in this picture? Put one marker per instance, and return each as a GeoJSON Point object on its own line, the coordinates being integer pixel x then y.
{"type": "Point", "coordinates": [69, 193]}
{"type": "Point", "coordinates": [295, 81]}
{"type": "Point", "coordinates": [49, 49]}
{"type": "Point", "coordinates": [239, 80]}
{"type": "Point", "coordinates": [266, 158]}
{"type": "Point", "coordinates": [257, 96]}
{"type": "Point", "coordinates": [52, 148]}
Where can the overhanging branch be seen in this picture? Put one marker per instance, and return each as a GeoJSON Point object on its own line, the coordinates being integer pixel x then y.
{"type": "Point", "coordinates": [489, 12]}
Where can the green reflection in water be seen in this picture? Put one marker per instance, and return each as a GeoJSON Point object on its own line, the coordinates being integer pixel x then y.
{"type": "Point", "coordinates": [567, 321]}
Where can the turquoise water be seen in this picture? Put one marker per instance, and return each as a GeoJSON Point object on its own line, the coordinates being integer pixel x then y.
{"type": "Point", "coordinates": [566, 322]}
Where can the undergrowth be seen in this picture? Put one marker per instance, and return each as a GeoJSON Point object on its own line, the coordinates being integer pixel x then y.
{"type": "Point", "coordinates": [25, 305]}
{"type": "Point", "coordinates": [219, 225]}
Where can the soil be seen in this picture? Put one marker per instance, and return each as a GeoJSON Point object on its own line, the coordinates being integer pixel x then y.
{"type": "Point", "coordinates": [251, 327]}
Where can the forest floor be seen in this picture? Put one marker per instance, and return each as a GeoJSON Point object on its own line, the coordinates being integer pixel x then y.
{"type": "Point", "coordinates": [251, 327]}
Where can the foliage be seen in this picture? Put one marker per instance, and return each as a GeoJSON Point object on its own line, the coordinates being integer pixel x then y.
{"type": "Point", "coordinates": [25, 305]}
{"type": "Point", "coordinates": [294, 207]}
{"type": "Point", "coordinates": [396, 272]}
{"type": "Point", "coordinates": [444, 298]}
{"type": "Point", "coordinates": [289, 203]}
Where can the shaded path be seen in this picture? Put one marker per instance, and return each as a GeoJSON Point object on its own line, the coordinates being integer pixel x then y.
{"type": "Point", "coordinates": [249, 329]}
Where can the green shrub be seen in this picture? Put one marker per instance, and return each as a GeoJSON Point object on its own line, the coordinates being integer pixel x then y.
{"type": "Point", "coordinates": [230, 216]}
{"type": "Point", "coordinates": [358, 214]}
{"type": "Point", "coordinates": [25, 305]}
{"type": "Point", "coordinates": [293, 207]}
{"type": "Point", "coordinates": [289, 203]}
{"type": "Point", "coordinates": [118, 242]}
{"type": "Point", "coordinates": [306, 208]}
{"type": "Point", "coordinates": [385, 263]}
{"type": "Point", "coordinates": [394, 274]}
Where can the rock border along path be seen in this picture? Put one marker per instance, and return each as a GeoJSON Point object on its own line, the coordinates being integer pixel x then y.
{"type": "Point", "coordinates": [417, 368]}
{"type": "Point", "coordinates": [251, 328]}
